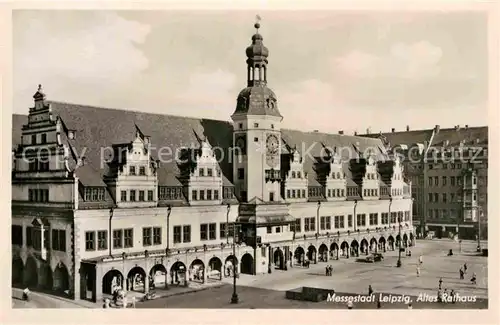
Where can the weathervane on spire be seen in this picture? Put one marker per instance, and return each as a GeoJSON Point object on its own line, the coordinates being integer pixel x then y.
{"type": "Point", "coordinates": [257, 22]}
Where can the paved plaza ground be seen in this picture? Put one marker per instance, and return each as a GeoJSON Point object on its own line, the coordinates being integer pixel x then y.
{"type": "Point", "coordinates": [349, 277]}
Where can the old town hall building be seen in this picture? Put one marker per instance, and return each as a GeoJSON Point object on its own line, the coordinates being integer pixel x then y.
{"type": "Point", "coordinates": [104, 197]}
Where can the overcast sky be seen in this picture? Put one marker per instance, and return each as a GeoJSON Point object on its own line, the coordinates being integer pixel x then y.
{"type": "Point", "coordinates": [331, 70]}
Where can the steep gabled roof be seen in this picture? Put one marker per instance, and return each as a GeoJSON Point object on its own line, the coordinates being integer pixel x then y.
{"type": "Point", "coordinates": [97, 129]}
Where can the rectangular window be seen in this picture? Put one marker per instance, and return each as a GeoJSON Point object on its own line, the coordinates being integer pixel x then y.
{"type": "Point", "coordinates": [452, 197]}
{"type": "Point", "coordinates": [212, 230]}
{"type": "Point", "coordinates": [142, 170]}
{"type": "Point", "coordinates": [430, 181]}
{"type": "Point", "coordinates": [202, 195]}
{"type": "Point", "coordinates": [58, 240]}
{"type": "Point", "coordinates": [150, 195]}
{"type": "Point", "coordinates": [90, 240]}
{"type": "Point", "coordinates": [444, 197]}
{"type": "Point", "coordinates": [17, 235]}
{"type": "Point", "coordinates": [204, 231]}
{"type": "Point", "coordinates": [33, 139]}
{"type": "Point", "coordinates": [132, 195]}
{"type": "Point", "coordinates": [118, 238]}
{"type": "Point", "coordinates": [349, 221]}
{"type": "Point", "coordinates": [209, 172]}
{"type": "Point", "coordinates": [241, 173]}
{"type": "Point", "coordinates": [141, 196]}
{"type": "Point", "coordinates": [156, 236]}
{"type": "Point", "coordinates": [194, 195]}
{"type": "Point", "coordinates": [222, 230]}
{"type": "Point", "coordinates": [385, 218]}
{"type": "Point", "coordinates": [128, 238]}
{"type": "Point", "coordinates": [177, 234]}
{"type": "Point", "coordinates": [132, 170]}
{"type": "Point", "coordinates": [288, 194]}
{"type": "Point", "coordinates": [216, 194]}
{"type": "Point", "coordinates": [373, 219]}
{"type": "Point", "coordinates": [444, 180]}
{"type": "Point", "coordinates": [297, 226]}
{"type": "Point", "coordinates": [430, 197]}
{"type": "Point", "coordinates": [202, 172]}
{"type": "Point", "coordinates": [393, 217]}
{"type": "Point", "coordinates": [186, 229]}
{"type": "Point", "coordinates": [452, 180]}
{"type": "Point", "coordinates": [361, 220]}
{"type": "Point", "coordinates": [102, 240]}
{"type": "Point", "coordinates": [146, 236]}
{"type": "Point", "coordinates": [303, 193]}
{"type": "Point", "coordinates": [269, 230]}
{"type": "Point", "coordinates": [123, 196]}
{"type": "Point", "coordinates": [312, 224]}
{"type": "Point", "coordinates": [436, 180]}
{"type": "Point", "coordinates": [271, 196]}
{"type": "Point", "coordinates": [230, 229]}
{"type": "Point", "coordinates": [209, 195]}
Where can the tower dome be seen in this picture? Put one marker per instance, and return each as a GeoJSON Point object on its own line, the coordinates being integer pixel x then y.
{"type": "Point", "coordinates": [257, 98]}
{"type": "Point", "coordinates": [257, 51]}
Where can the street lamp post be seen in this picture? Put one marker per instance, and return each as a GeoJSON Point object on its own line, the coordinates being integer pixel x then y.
{"type": "Point", "coordinates": [111, 211]}
{"type": "Point", "coordinates": [480, 210]}
{"type": "Point", "coordinates": [167, 250]}
{"type": "Point", "coordinates": [234, 297]}
{"type": "Point", "coordinates": [398, 264]}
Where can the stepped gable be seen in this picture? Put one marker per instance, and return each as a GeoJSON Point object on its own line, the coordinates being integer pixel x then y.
{"type": "Point", "coordinates": [98, 128]}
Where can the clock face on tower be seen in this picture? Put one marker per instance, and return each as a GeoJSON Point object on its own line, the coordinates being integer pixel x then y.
{"type": "Point", "coordinates": [272, 151]}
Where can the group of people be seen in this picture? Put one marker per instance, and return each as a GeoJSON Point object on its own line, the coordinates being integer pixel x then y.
{"type": "Point", "coordinates": [329, 270]}
{"type": "Point", "coordinates": [463, 271]}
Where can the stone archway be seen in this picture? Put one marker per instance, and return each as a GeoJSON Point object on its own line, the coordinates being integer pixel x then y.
{"type": "Point", "coordinates": [390, 242]}
{"type": "Point", "coordinates": [382, 244]}
{"type": "Point", "coordinates": [230, 264]}
{"type": "Point", "coordinates": [334, 251]}
{"type": "Point", "coordinates": [17, 270]}
{"type": "Point", "coordinates": [247, 264]}
{"type": "Point", "coordinates": [344, 249]}
{"type": "Point", "coordinates": [197, 271]}
{"type": "Point", "coordinates": [158, 275]}
{"type": "Point", "coordinates": [398, 241]}
{"type": "Point", "coordinates": [373, 245]}
{"type": "Point", "coordinates": [311, 254]}
{"type": "Point", "coordinates": [278, 259]}
{"type": "Point", "coordinates": [214, 268]}
{"type": "Point", "coordinates": [46, 277]}
{"type": "Point", "coordinates": [61, 278]}
{"type": "Point", "coordinates": [323, 253]}
{"type": "Point", "coordinates": [299, 255]}
{"type": "Point", "coordinates": [364, 246]}
{"type": "Point", "coordinates": [136, 279]}
{"type": "Point", "coordinates": [30, 274]}
{"type": "Point", "coordinates": [354, 248]}
{"type": "Point", "coordinates": [177, 272]}
{"type": "Point", "coordinates": [111, 280]}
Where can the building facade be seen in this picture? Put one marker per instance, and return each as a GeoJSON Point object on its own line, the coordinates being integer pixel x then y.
{"type": "Point", "coordinates": [106, 197]}
{"type": "Point", "coordinates": [448, 169]}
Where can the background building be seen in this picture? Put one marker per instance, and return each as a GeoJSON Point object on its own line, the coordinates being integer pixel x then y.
{"type": "Point", "coordinates": [102, 197]}
{"type": "Point", "coordinates": [448, 169]}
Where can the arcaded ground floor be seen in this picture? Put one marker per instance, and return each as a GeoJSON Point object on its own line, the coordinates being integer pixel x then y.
{"type": "Point", "coordinates": [143, 272]}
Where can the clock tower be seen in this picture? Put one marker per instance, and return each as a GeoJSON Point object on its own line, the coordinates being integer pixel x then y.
{"type": "Point", "coordinates": [257, 135]}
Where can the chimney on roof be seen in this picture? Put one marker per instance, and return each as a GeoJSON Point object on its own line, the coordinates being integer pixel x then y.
{"type": "Point", "coordinates": [437, 128]}
{"type": "Point", "coordinates": [393, 130]}
{"type": "Point", "coordinates": [341, 132]}
{"type": "Point", "coordinates": [407, 128]}
{"type": "Point", "coordinates": [466, 126]}
{"type": "Point", "coordinates": [355, 132]}
{"type": "Point", "coordinates": [368, 131]}
{"type": "Point", "coordinates": [147, 139]}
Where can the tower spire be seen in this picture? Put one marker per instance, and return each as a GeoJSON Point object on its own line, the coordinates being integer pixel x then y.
{"type": "Point", "coordinates": [257, 55]}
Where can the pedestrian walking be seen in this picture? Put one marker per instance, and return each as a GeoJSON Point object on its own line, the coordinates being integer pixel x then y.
{"type": "Point", "coordinates": [331, 270]}
{"type": "Point", "coordinates": [420, 259]}
{"type": "Point", "coordinates": [327, 270]}
{"type": "Point", "coordinates": [440, 283]}
{"type": "Point", "coordinates": [461, 274]}
{"type": "Point", "coordinates": [465, 268]}
{"type": "Point", "coordinates": [350, 304]}
{"type": "Point", "coordinates": [452, 295]}
{"type": "Point", "coordinates": [473, 278]}
{"type": "Point", "coordinates": [410, 306]}
{"type": "Point", "coordinates": [370, 290]}
{"type": "Point", "coordinates": [418, 270]}
{"type": "Point", "coordinates": [379, 304]}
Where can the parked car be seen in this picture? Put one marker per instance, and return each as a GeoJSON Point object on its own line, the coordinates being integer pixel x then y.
{"type": "Point", "coordinates": [374, 257]}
